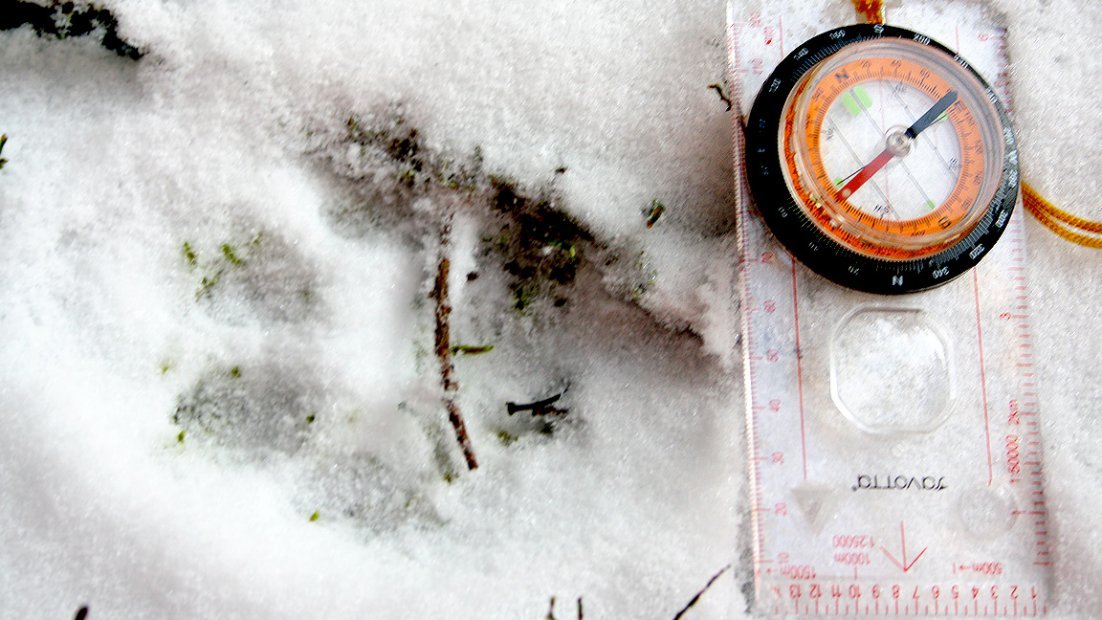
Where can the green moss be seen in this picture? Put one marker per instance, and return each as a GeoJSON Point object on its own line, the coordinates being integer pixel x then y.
{"type": "Point", "coordinates": [205, 285]}
{"type": "Point", "coordinates": [212, 270]}
{"type": "Point", "coordinates": [231, 256]}
{"type": "Point", "coordinates": [310, 418]}
{"type": "Point", "coordinates": [523, 295]}
{"type": "Point", "coordinates": [407, 177]}
{"type": "Point", "coordinates": [387, 135]}
{"type": "Point", "coordinates": [649, 277]}
{"type": "Point", "coordinates": [3, 141]}
{"type": "Point", "coordinates": [543, 247]}
{"type": "Point", "coordinates": [165, 367]}
{"type": "Point", "coordinates": [189, 255]}
{"type": "Point", "coordinates": [506, 438]}
{"type": "Point", "coordinates": [565, 246]}
{"type": "Point", "coordinates": [396, 139]}
{"type": "Point", "coordinates": [314, 517]}
{"type": "Point", "coordinates": [466, 349]}
{"type": "Point", "coordinates": [180, 437]}
{"type": "Point", "coordinates": [235, 372]}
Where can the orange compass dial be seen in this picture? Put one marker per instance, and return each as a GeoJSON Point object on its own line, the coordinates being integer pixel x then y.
{"type": "Point", "coordinates": [883, 152]}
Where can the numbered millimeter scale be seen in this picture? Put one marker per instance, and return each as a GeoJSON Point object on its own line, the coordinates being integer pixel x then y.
{"type": "Point", "coordinates": [920, 498]}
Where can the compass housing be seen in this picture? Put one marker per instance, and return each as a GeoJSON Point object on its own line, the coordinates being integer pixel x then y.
{"type": "Point", "coordinates": [838, 235]}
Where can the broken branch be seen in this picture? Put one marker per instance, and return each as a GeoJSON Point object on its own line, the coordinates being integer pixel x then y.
{"type": "Point", "coordinates": [443, 346]}
{"type": "Point", "coordinates": [696, 598]}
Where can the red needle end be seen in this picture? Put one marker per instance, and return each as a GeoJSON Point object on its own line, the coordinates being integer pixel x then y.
{"type": "Point", "coordinates": [864, 174]}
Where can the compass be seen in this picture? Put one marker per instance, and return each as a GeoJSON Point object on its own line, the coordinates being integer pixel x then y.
{"type": "Point", "coordinates": [881, 159]}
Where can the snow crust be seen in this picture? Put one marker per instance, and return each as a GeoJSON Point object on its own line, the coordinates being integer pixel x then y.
{"type": "Point", "coordinates": [233, 132]}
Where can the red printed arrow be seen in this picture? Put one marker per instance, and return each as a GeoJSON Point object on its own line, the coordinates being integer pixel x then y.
{"type": "Point", "coordinates": [904, 565]}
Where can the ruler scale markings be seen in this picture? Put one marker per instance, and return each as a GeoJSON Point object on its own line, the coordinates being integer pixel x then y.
{"type": "Point", "coordinates": [983, 377]}
{"type": "Point", "coordinates": [799, 367]}
{"type": "Point", "coordinates": [764, 385]}
{"type": "Point", "coordinates": [746, 313]}
{"type": "Point", "coordinates": [780, 35]}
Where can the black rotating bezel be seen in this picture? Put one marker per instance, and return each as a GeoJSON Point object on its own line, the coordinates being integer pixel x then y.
{"type": "Point", "coordinates": [792, 226]}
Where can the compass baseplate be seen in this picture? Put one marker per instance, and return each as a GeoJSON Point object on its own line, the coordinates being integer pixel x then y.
{"type": "Point", "coordinates": [894, 443]}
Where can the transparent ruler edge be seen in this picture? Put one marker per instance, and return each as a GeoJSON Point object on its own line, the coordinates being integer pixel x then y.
{"type": "Point", "coordinates": [834, 598]}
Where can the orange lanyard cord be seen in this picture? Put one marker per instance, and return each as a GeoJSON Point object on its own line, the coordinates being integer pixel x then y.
{"type": "Point", "coordinates": [1061, 222]}
{"type": "Point", "coordinates": [872, 11]}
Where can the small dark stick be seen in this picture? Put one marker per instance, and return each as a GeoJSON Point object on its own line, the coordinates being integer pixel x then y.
{"type": "Point", "coordinates": [696, 598]}
{"type": "Point", "coordinates": [581, 616]}
{"type": "Point", "coordinates": [82, 613]}
{"type": "Point", "coordinates": [539, 408]}
{"type": "Point", "coordinates": [444, 351]}
{"type": "Point", "coordinates": [534, 407]}
{"type": "Point", "coordinates": [722, 95]}
{"type": "Point", "coordinates": [551, 610]}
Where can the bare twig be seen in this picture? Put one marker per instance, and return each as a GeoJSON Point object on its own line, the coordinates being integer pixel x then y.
{"type": "Point", "coordinates": [581, 616]}
{"type": "Point", "coordinates": [443, 347]}
{"type": "Point", "coordinates": [551, 610]}
{"type": "Point", "coordinates": [697, 596]}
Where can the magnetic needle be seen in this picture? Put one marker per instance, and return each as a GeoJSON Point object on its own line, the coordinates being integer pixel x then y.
{"type": "Point", "coordinates": [881, 159]}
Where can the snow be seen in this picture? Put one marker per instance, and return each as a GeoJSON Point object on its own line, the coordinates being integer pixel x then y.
{"type": "Point", "coordinates": [233, 132]}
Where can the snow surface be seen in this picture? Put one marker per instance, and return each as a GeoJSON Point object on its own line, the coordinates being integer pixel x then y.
{"type": "Point", "coordinates": [233, 131]}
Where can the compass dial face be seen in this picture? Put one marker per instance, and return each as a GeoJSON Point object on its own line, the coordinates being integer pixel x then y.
{"type": "Point", "coordinates": [881, 159]}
